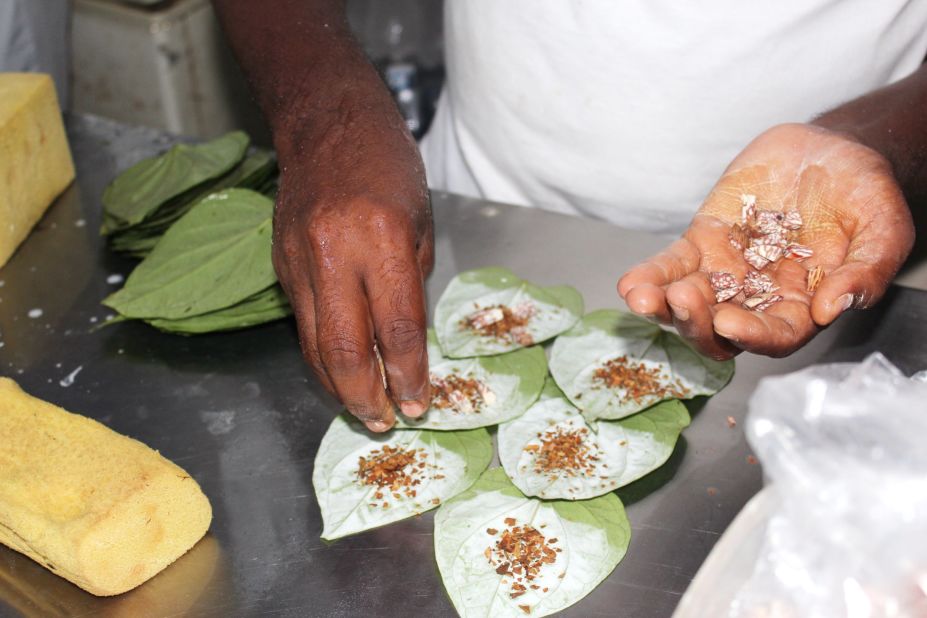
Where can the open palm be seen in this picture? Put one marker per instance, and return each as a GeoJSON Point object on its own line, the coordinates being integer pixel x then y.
{"type": "Point", "coordinates": [855, 219]}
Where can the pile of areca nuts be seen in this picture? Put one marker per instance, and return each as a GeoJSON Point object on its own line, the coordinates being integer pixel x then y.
{"type": "Point", "coordinates": [764, 237]}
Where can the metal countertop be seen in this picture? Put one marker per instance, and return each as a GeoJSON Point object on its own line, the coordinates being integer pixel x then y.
{"type": "Point", "coordinates": [240, 413]}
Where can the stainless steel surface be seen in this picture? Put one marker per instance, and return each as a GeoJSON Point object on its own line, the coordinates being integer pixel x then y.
{"type": "Point", "coordinates": [240, 412]}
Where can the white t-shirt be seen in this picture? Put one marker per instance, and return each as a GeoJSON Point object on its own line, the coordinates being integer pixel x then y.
{"type": "Point", "coordinates": [629, 110]}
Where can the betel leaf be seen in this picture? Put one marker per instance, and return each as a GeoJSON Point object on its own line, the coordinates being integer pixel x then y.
{"type": "Point", "coordinates": [140, 190]}
{"type": "Point", "coordinates": [605, 337]}
{"type": "Point", "coordinates": [509, 383]}
{"type": "Point", "coordinates": [604, 455]}
{"type": "Point", "coordinates": [140, 239]}
{"type": "Point", "coordinates": [444, 464]}
{"type": "Point", "coordinates": [552, 310]}
{"type": "Point", "coordinates": [217, 255]}
{"type": "Point", "coordinates": [593, 536]}
{"type": "Point", "coordinates": [265, 306]}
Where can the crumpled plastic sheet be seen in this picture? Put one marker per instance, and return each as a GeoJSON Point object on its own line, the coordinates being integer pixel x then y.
{"type": "Point", "coordinates": [845, 448]}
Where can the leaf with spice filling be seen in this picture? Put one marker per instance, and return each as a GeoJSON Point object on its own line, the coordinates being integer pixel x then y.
{"type": "Point", "coordinates": [613, 364]}
{"type": "Point", "coordinates": [490, 311]}
{"type": "Point", "coordinates": [481, 391]}
{"type": "Point", "coordinates": [502, 554]}
{"type": "Point", "coordinates": [552, 452]}
{"type": "Point", "coordinates": [364, 480]}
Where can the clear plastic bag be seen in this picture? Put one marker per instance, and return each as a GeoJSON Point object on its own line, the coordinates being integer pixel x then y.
{"type": "Point", "coordinates": [845, 449]}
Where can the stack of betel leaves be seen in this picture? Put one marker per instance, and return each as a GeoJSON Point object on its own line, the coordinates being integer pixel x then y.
{"type": "Point", "coordinates": [539, 533]}
{"type": "Point", "coordinates": [201, 217]}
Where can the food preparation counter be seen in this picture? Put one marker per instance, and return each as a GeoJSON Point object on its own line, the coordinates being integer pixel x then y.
{"type": "Point", "coordinates": [241, 413]}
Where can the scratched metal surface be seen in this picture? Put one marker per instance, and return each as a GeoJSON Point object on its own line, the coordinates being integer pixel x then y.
{"type": "Point", "coordinates": [241, 414]}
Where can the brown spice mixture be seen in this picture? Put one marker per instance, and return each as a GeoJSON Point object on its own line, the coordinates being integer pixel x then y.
{"type": "Point", "coordinates": [392, 468]}
{"type": "Point", "coordinates": [637, 380]}
{"type": "Point", "coordinates": [502, 322]}
{"type": "Point", "coordinates": [563, 451]}
{"type": "Point", "coordinates": [520, 553]}
{"type": "Point", "coordinates": [459, 393]}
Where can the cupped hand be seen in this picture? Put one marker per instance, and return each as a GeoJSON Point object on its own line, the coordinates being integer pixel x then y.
{"type": "Point", "coordinates": [855, 219]}
{"type": "Point", "coordinates": [353, 244]}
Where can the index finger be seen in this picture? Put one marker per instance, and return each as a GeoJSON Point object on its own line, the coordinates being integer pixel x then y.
{"type": "Point", "coordinates": [396, 293]}
{"type": "Point", "coordinates": [643, 287]}
{"type": "Point", "coordinates": [345, 344]}
{"type": "Point", "coordinates": [671, 264]}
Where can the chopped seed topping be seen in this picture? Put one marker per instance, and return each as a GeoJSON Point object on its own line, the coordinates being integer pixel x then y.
{"type": "Point", "coordinates": [392, 468]}
{"type": "Point", "coordinates": [637, 380]}
{"type": "Point", "coordinates": [502, 322]}
{"type": "Point", "coordinates": [564, 451]}
{"type": "Point", "coordinates": [520, 553]}
{"type": "Point", "coordinates": [464, 395]}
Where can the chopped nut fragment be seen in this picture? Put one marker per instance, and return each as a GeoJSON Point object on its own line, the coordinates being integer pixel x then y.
{"type": "Point", "coordinates": [752, 460]}
{"type": "Point", "coordinates": [754, 259]}
{"type": "Point", "coordinates": [815, 276]}
{"type": "Point", "coordinates": [797, 252]}
{"type": "Point", "coordinates": [725, 285]}
{"type": "Point", "coordinates": [738, 237]}
{"type": "Point", "coordinates": [509, 521]}
{"type": "Point", "coordinates": [761, 302]}
{"type": "Point", "coordinates": [731, 421]}
{"type": "Point", "coordinates": [792, 220]}
{"type": "Point", "coordinates": [525, 608]}
{"type": "Point", "coordinates": [492, 531]}
{"type": "Point", "coordinates": [758, 283]}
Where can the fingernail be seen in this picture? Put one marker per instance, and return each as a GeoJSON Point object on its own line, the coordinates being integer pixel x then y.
{"type": "Point", "coordinates": [412, 409]}
{"type": "Point", "coordinates": [378, 426]}
{"type": "Point", "coordinates": [845, 302]}
{"type": "Point", "coordinates": [730, 338]}
{"type": "Point", "coordinates": [680, 313]}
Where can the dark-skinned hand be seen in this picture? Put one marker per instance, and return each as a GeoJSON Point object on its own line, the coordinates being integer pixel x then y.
{"type": "Point", "coordinates": [352, 246]}
{"type": "Point", "coordinates": [855, 219]}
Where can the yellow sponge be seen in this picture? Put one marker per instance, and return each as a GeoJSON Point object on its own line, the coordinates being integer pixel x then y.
{"type": "Point", "coordinates": [95, 507]}
{"type": "Point", "coordinates": [35, 162]}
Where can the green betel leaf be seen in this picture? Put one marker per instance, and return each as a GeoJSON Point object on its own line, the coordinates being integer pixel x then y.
{"type": "Point", "coordinates": [482, 391]}
{"type": "Point", "coordinates": [490, 311]}
{"type": "Point", "coordinates": [586, 541]}
{"type": "Point", "coordinates": [214, 257]}
{"type": "Point", "coordinates": [356, 490]}
{"type": "Point", "coordinates": [603, 456]}
{"type": "Point", "coordinates": [613, 364]}
{"type": "Point", "coordinates": [140, 190]}
{"type": "Point", "coordinates": [265, 306]}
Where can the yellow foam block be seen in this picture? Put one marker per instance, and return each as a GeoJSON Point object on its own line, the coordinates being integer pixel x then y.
{"type": "Point", "coordinates": [35, 161]}
{"type": "Point", "coordinates": [93, 506]}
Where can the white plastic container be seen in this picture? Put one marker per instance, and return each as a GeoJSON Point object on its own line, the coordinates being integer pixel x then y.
{"type": "Point", "coordinates": [165, 66]}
